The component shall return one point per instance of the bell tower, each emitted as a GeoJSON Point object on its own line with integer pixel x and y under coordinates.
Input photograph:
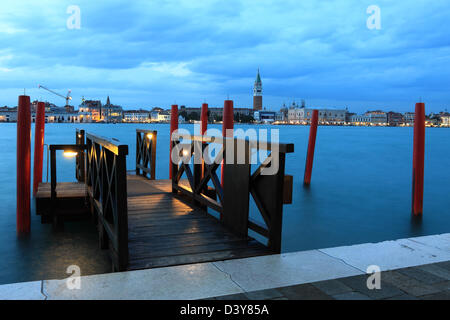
{"type": "Point", "coordinates": [257, 93]}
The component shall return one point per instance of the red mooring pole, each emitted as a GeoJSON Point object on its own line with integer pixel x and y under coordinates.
{"type": "Point", "coordinates": [204, 119]}
{"type": "Point", "coordinates": [418, 160]}
{"type": "Point", "coordinates": [203, 128]}
{"type": "Point", "coordinates": [23, 164]}
{"type": "Point", "coordinates": [38, 145]}
{"type": "Point", "coordinates": [311, 148]}
{"type": "Point", "coordinates": [173, 127]}
{"type": "Point", "coordinates": [227, 126]}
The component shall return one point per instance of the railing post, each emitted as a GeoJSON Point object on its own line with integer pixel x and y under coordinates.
{"type": "Point", "coordinates": [80, 158]}
{"type": "Point", "coordinates": [138, 152]}
{"type": "Point", "coordinates": [236, 188]}
{"type": "Point", "coordinates": [276, 227]}
{"type": "Point", "coordinates": [122, 208]}
{"type": "Point", "coordinates": [173, 168]}
{"type": "Point", "coordinates": [101, 176]}
{"type": "Point", "coordinates": [153, 155]}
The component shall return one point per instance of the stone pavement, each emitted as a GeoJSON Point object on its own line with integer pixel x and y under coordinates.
{"type": "Point", "coordinates": [412, 268]}
{"type": "Point", "coordinates": [426, 282]}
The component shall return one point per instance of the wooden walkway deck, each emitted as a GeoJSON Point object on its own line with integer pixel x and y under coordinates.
{"type": "Point", "coordinates": [144, 224]}
{"type": "Point", "coordinates": [165, 229]}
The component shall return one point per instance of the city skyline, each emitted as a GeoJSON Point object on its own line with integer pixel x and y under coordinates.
{"type": "Point", "coordinates": [160, 53]}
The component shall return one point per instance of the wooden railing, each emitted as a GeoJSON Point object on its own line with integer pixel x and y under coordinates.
{"type": "Point", "coordinates": [107, 188]}
{"type": "Point", "coordinates": [269, 192]}
{"type": "Point", "coordinates": [146, 153]}
{"type": "Point", "coordinates": [80, 161]}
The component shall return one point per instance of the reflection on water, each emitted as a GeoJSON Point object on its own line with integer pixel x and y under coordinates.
{"type": "Point", "coordinates": [360, 192]}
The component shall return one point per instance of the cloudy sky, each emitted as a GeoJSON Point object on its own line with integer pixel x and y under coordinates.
{"type": "Point", "coordinates": [156, 53]}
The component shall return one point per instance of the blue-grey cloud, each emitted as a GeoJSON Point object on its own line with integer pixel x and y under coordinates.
{"type": "Point", "coordinates": [152, 53]}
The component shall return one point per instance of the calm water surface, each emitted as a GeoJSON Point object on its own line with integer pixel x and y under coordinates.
{"type": "Point", "coordinates": [360, 192]}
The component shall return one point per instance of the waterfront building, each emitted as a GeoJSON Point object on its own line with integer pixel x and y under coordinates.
{"type": "Point", "coordinates": [136, 116]}
{"type": "Point", "coordinates": [8, 114]}
{"type": "Point", "coordinates": [377, 117]}
{"type": "Point", "coordinates": [65, 117]}
{"type": "Point", "coordinates": [360, 120]}
{"type": "Point", "coordinates": [264, 116]}
{"type": "Point", "coordinates": [370, 118]}
{"type": "Point", "coordinates": [445, 119]}
{"type": "Point", "coordinates": [94, 107]}
{"type": "Point", "coordinates": [281, 116]}
{"type": "Point", "coordinates": [160, 116]}
{"type": "Point", "coordinates": [408, 118]}
{"type": "Point", "coordinates": [110, 112]}
{"type": "Point", "coordinates": [329, 116]}
{"type": "Point", "coordinates": [349, 116]}
{"type": "Point", "coordinates": [257, 93]}
{"type": "Point", "coordinates": [394, 119]}
{"type": "Point", "coordinates": [214, 113]}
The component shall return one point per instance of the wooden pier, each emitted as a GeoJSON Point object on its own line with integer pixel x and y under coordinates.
{"type": "Point", "coordinates": [148, 223]}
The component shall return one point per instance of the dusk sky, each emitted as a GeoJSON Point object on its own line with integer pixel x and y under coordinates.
{"type": "Point", "coordinates": [155, 53]}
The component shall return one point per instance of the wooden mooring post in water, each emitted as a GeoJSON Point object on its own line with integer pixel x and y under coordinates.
{"type": "Point", "coordinates": [311, 148]}
{"type": "Point", "coordinates": [173, 127]}
{"type": "Point", "coordinates": [39, 130]}
{"type": "Point", "coordinates": [23, 164]}
{"type": "Point", "coordinates": [418, 160]}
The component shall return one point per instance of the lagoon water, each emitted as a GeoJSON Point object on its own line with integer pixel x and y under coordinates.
{"type": "Point", "coordinates": [360, 192]}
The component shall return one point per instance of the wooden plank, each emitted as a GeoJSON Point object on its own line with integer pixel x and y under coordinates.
{"type": "Point", "coordinates": [137, 252]}
{"type": "Point", "coordinates": [197, 258]}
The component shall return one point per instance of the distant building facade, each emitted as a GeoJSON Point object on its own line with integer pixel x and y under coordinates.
{"type": "Point", "coordinates": [160, 116]}
{"type": "Point", "coordinates": [408, 118]}
{"type": "Point", "coordinates": [136, 116]}
{"type": "Point", "coordinates": [94, 107]}
{"type": "Point", "coordinates": [265, 116]}
{"type": "Point", "coordinates": [376, 118]}
{"type": "Point", "coordinates": [445, 119]}
{"type": "Point", "coordinates": [326, 115]}
{"type": "Point", "coordinates": [394, 119]}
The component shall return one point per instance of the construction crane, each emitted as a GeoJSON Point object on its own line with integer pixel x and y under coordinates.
{"type": "Point", "coordinates": [68, 97]}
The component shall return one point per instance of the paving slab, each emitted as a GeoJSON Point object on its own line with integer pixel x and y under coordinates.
{"type": "Point", "coordinates": [422, 275]}
{"type": "Point", "coordinates": [436, 270]}
{"type": "Point", "coordinates": [332, 287]}
{"type": "Point", "coordinates": [407, 284]}
{"type": "Point", "coordinates": [440, 241]}
{"type": "Point", "coordinates": [359, 284]}
{"type": "Point", "coordinates": [22, 291]}
{"type": "Point", "coordinates": [282, 270]}
{"type": "Point", "coordinates": [264, 294]}
{"type": "Point", "coordinates": [304, 292]}
{"type": "Point", "coordinates": [196, 281]}
{"type": "Point", "coordinates": [390, 255]}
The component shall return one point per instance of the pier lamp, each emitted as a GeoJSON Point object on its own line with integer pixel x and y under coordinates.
{"type": "Point", "coordinates": [70, 154]}
{"type": "Point", "coordinates": [149, 136]}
